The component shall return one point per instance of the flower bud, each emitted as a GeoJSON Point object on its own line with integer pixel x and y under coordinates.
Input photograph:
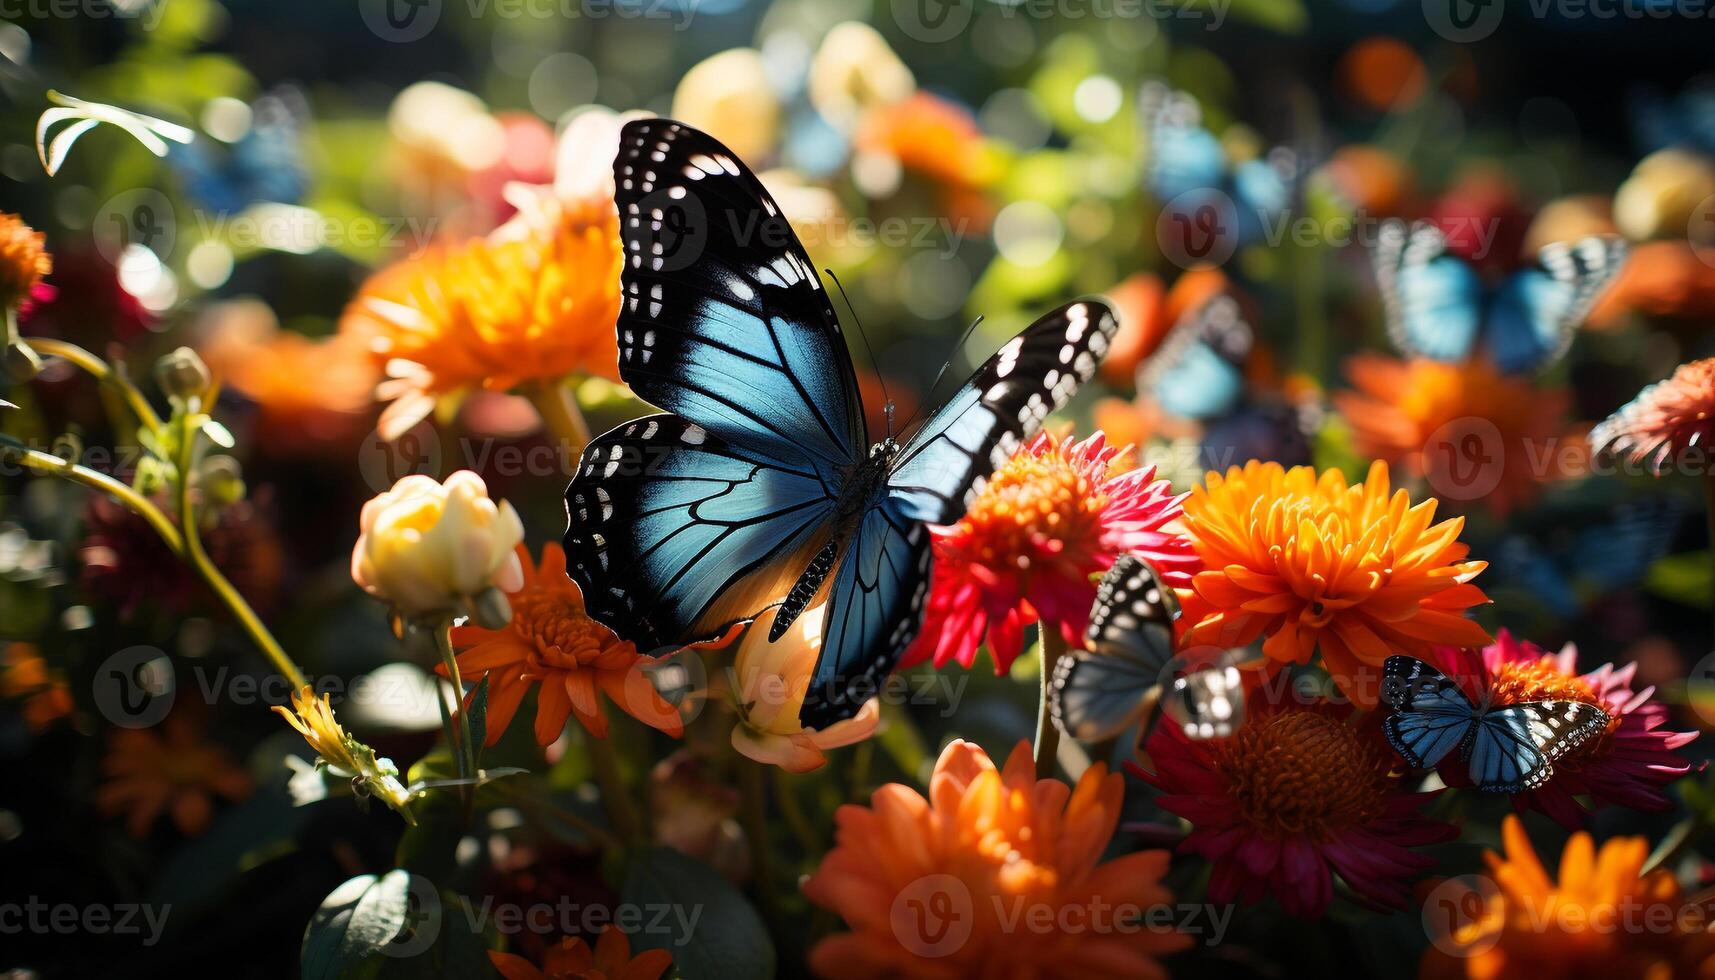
{"type": "Point", "coordinates": [182, 374]}
{"type": "Point", "coordinates": [772, 678]}
{"type": "Point", "coordinates": [221, 480]}
{"type": "Point", "coordinates": [432, 550]}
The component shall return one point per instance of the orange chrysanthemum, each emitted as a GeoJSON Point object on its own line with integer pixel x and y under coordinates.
{"type": "Point", "coordinates": [995, 874]}
{"type": "Point", "coordinates": [311, 393]}
{"type": "Point", "coordinates": [536, 304]}
{"type": "Point", "coordinates": [1471, 431]}
{"type": "Point", "coordinates": [572, 959]}
{"type": "Point", "coordinates": [1606, 917]}
{"type": "Point", "coordinates": [41, 692]}
{"type": "Point", "coordinates": [174, 771]}
{"type": "Point", "coordinates": [24, 259]}
{"type": "Point", "coordinates": [1311, 564]}
{"type": "Point", "coordinates": [1666, 420]}
{"type": "Point", "coordinates": [552, 642]}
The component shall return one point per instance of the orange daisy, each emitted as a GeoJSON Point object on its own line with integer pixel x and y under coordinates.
{"type": "Point", "coordinates": [1605, 917]}
{"type": "Point", "coordinates": [174, 771]}
{"type": "Point", "coordinates": [42, 692]}
{"type": "Point", "coordinates": [1308, 563]}
{"type": "Point", "coordinates": [536, 304]}
{"type": "Point", "coordinates": [997, 873]}
{"type": "Point", "coordinates": [311, 393]}
{"type": "Point", "coordinates": [572, 959]}
{"type": "Point", "coordinates": [552, 642]}
{"type": "Point", "coordinates": [1469, 430]}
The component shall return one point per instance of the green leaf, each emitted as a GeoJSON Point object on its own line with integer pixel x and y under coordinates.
{"type": "Point", "coordinates": [1682, 578]}
{"type": "Point", "coordinates": [218, 434]}
{"type": "Point", "coordinates": [369, 921]}
{"type": "Point", "coordinates": [693, 913]}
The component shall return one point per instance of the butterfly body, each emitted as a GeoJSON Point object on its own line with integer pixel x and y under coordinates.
{"type": "Point", "coordinates": [1508, 748]}
{"type": "Point", "coordinates": [1439, 307]}
{"type": "Point", "coordinates": [758, 487]}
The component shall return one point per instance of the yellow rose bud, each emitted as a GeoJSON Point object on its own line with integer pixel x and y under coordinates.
{"type": "Point", "coordinates": [431, 549]}
{"type": "Point", "coordinates": [771, 680]}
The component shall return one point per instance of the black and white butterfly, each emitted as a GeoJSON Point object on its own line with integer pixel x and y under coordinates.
{"type": "Point", "coordinates": [759, 486]}
{"type": "Point", "coordinates": [1440, 308]}
{"type": "Point", "coordinates": [1129, 668]}
{"type": "Point", "coordinates": [1509, 749]}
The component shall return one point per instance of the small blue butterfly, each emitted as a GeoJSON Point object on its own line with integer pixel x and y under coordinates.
{"type": "Point", "coordinates": [1439, 307]}
{"type": "Point", "coordinates": [759, 486]}
{"type": "Point", "coordinates": [265, 164]}
{"type": "Point", "coordinates": [1198, 371]}
{"type": "Point", "coordinates": [1509, 749]}
{"type": "Point", "coordinates": [1189, 168]}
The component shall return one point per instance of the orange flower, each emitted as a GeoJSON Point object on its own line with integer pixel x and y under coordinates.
{"type": "Point", "coordinates": [1310, 563]}
{"type": "Point", "coordinates": [1674, 280]}
{"type": "Point", "coordinates": [175, 771]}
{"type": "Point", "coordinates": [311, 393]}
{"type": "Point", "coordinates": [26, 677]}
{"type": "Point", "coordinates": [536, 304]}
{"type": "Point", "coordinates": [932, 136]}
{"type": "Point", "coordinates": [995, 874]}
{"type": "Point", "coordinates": [1667, 419]}
{"type": "Point", "coordinates": [24, 259]}
{"type": "Point", "coordinates": [572, 959]}
{"type": "Point", "coordinates": [551, 641]}
{"type": "Point", "coordinates": [1147, 311]}
{"type": "Point", "coordinates": [1606, 917]}
{"type": "Point", "coordinates": [1471, 431]}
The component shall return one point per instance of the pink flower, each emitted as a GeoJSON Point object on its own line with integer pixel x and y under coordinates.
{"type": "Point", "coordinates": [1629, 765]}
{"type": "Point", "coordinates": [1026, 550]}
{"type": "Point", "coordinates": [1664, 420]}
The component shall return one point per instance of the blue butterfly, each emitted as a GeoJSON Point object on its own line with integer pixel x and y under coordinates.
{"type": "Point", "coordinates": [1198, 371]}
{"type": "Point", "coordinates": [759, 486]}
{"type": "Point", "coordinates": [1438, 307]}
{"type": "Point", "coordinates": [1684, 120]}
{"type": "Point", "coordinates": [1129, 667]}
{"type": "Point", "coordinates": [265, 164]}
{"type": "Point", "coordinates": [1189, 168]}
{"type": "Point", "coordinates": [1582, 555]}
{"type": "Point", "coordinates": [1509, 749]}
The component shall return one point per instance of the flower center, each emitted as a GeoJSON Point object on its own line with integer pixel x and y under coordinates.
{"type": "Point", "coordinates": [1034, 506]}
{"type": "Point", "coordinates": [1302, 772]}
{"type": "Point", "coordinates": [1542, 680]}
{"type": "Point", "coordinates": [560, 637]}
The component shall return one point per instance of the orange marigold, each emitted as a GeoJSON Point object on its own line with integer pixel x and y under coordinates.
{"type": "Point", "coordinates": [1309, 563]}
{"type": "Point", "coordinates": [995, 874]}
{"type": "Point", "coordinates": [572, 959]}
{"type": "Point", "coordinates": [1470, 431]}
{"type": "Point", "coordinates": [1606, 917]}
{"type": "Point", "coordinates": [24, 259]}
{"type": "Point", "coordinates": [312, 394]}
{"type": "Point", "coordinates": [536, 304]}
{"type": "Point", "coordinates": [552, 642]}
{"type": "Point", "coordinates": [174, 771]}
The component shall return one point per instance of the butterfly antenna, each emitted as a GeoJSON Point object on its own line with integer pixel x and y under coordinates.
{"type": "Point", "coordinates": [873, 366]}
{"type": "Point", "coordinates": [929, 397]}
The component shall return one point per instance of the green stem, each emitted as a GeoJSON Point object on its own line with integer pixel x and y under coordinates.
{"type": "Point", "coordinates": [615, 795]}
{"type": "Point", "coordinates": [1047, 736]}
{"type": "Point", "coordinates": [558, 406]}
{"type": "Point", "coordinates": [755, 818]}
{"type": "Point", "coordinates": [50, 465]}
{"type": "Point", "coordinates": [98, 368]}
{"type": "Point", "coordinates": [464, 753]}
{"type": "Point", "coordinates": [198, 558]}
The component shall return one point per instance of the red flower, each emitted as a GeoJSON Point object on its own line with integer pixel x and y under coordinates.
{"type": "Point", "coordinates": [1027, 547]}
{"type": "Point", "coordinates": [1295, 796]}
{"type": "Point", "coordinates": [1628, 765]}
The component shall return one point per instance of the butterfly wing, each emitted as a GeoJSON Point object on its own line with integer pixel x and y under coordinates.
{"type": "Point", "coordinates": [1535, 312]}
{"type": "Point", "coordinates": [944, 463]}
{"type": "Point", "coordinates": [724, 321]}
{"type": "Point", "coordinates": [1431, 715]}
{"type": "Point", "coordinates": [1433, 299]}
{"type": "Point", "coordinates": [1514, 747]}
{"type": "Point", "coordinates": [1209, 702]}
{"type": "Point", "coordinates": [1097, 692]}
{"type": "Point", "coordinates": [674, 535]}
{"type": "Point", "coordinates": [1183, 156]}
{"type": "Point", "coordinates": [1198, 372]}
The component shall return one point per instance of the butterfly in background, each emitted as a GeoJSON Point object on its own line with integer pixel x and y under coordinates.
{"type": "Point", "coordinates": [266, 163]}
{"type": "Point", "coordinates": [1198, 371]}
{"type": "Point", "coordinates": [1129, 669]}
{"type": "Point", "coordinates": [1685, 120]}
{"type": "Point", "coordinates": [1581, 553]}
{"type": "Point", "coordinates": [1508, 749]}
{"type": "Point", "coordinates": [759, 487]}
{"type": "Point", "coordinates": [1440, 308]}
{"type": "Point", "coordinates": [1189, 168]}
